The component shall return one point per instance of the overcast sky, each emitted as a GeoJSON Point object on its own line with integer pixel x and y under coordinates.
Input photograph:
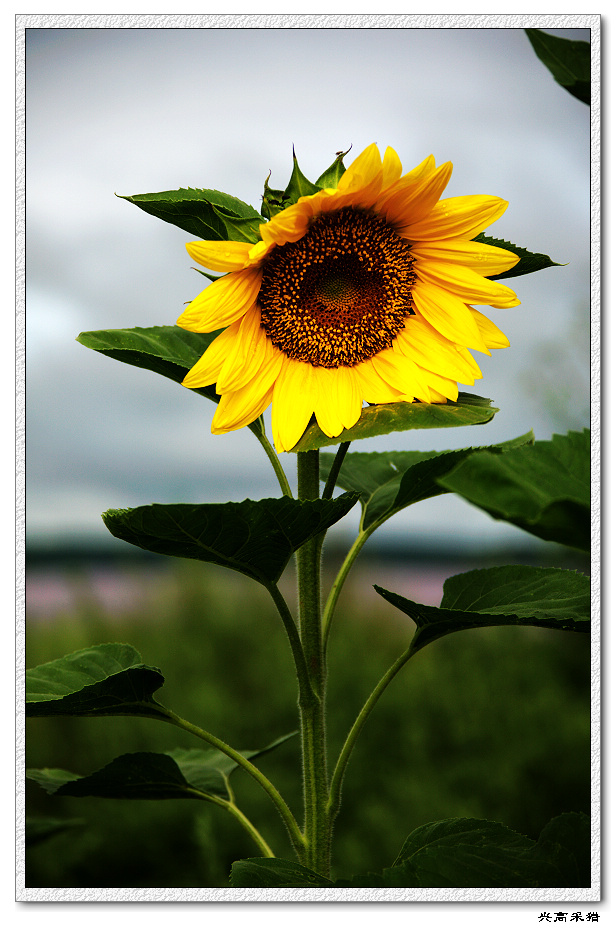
{"type": "Point", "coordinates": [133, 111]}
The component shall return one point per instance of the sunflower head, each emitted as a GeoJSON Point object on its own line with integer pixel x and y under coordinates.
{"type": "Point", "coordinates": [359, 290]}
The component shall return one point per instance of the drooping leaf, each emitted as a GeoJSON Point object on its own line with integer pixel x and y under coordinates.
{"type": "Point", "coordinates": [544, 488]}
{"type": "Point", "coordinates": [529, 261]}
{"type": "Point", "coordinates": [169, 351]}
{"type": "Point", "coordinates": [389, 481]}
{"type": "Point", "coordinates": [105, 680]}
{"type": "Point", "coordinates": [256, 538]}
{"type": "Point", "coordinates": [379, 419]}
{"type": "Point", "coordinates": [181, 773]}
{"type": "Point", "coordinates": [206, 214]}
{"type": "Point", "coordinates": [469, 853]}
{"type": "Point", "coordinates": [568, 60]}
{"type": "Point", "coordinates": [510, 595]}
{"type": "Point", "coordinates": [274, 873]}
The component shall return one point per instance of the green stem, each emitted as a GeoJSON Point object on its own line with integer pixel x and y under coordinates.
{"type": "Point", "coordinates": [289, 820]}
{"type": "Point", "coordinates": [249, 827]}
{"type": "Point", "coordinates": [241, 817]}
{"type": "Point", "coordinates": [312, 706]}
{"type": "Point", "coordinates": [271, 454]}
{"type": "Point", "coordinates": [336, 783]}
{"type": "Point", "coordinates": [336, 588]}
{"type": "Point", "coordinates": [330, 484]}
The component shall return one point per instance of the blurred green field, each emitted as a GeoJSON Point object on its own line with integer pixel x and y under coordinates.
{"type": "Point", "coordinates": [491, 724]}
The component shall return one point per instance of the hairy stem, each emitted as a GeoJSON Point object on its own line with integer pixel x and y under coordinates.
{"type": "Point", "coordinates": [312, 707]}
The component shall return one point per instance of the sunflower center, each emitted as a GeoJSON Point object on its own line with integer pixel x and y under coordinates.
{"type": "Point", "coordinates": [341, 293]}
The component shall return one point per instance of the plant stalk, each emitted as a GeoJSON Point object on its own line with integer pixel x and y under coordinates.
{"type": "Point", "coordinates": [317, 828]}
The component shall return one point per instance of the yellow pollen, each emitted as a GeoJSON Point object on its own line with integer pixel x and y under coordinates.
{"type": "Point", "coordinates": [341, 293]}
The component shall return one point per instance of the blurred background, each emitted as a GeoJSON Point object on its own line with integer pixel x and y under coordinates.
{"type": "Point", "coordinates": [131, 111]}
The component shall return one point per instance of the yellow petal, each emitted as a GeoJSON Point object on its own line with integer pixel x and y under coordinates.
{"type": "Point", "coordinates": [401, 373]}
{"type": "Point", "coordinates": [207, 369]}
{"type": "Point", "coordinates": [295, 392]}
{"type": "Point", "coordinates": [448, 314]}
{"type": "Point", "coordinates": [442, 385]}
{"type": "Point", "coordinates": [220, 256]}
{"type": "Point", "coordinates": [250, 351]}
{"type": "Point", "coordinates": [456, 218]}
{"type": "Point", "coordinates": [490, 333]}
{"type": "Point", "coordinates": [223, 302]}
{"type": "Point", "coordinates": [409, 201]}
{"type": "Point", "coordinates": [373, 387]}
{"type": "Point", "coordinates": [466, 284]}
{"type": "Point", "coordinates": [478, 256]}
{"type": "Point", "coordinates": [392, 167]}
{"type": "Point", "coordinates": [363, 171]}
{"type": "Point", "coordinates": [339, 401]}
{"type": "Point", "coordinates": [289, 225]}
{"type": "Point", "coordinates": [425, 167]}
{"type": "Point", "coordinates": [430, 350]}
{"type": "Point", "coordinates": [240, 408]}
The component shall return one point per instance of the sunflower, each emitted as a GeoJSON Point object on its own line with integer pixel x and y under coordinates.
{"type": "Point", "coordinates": [359, 293]}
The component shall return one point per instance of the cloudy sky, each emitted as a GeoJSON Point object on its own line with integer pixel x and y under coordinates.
{"type": "Point", "coordinates": [139, 110]}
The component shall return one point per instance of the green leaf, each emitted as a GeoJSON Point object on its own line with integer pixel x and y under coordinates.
{"type": "Point", "coordinates": [510, 595]}
{"type": "Point", "coordinates": [299, 185]}
{"type": "Point", "coordinates": [273, 200]}
{"type": "Point", "coordinates": [529, 261]}
{"type": "Point", "coordinates": [105, 680]}
{"type": "Point", "coordinates": [378, 419]}
{"type": "Point", "coordinates": [332, 175]}
{"type": "Point", "coordinates": [544, 489]}
{"type": "Point", "coordinates": [470, 853]}
{"type": "Point", "coordinates": [569, 61]}
{"type": "Point", "coordinates": [389, 481]}
{"type": "Point", "coordinates": [256, 538]}
{"type": "Point", "coordinates": [169, 351]}
{"type": "Point", "coordinates": [572, 833]}
{"type": "Point", "coordinates": [181, 773]}
{"type": "Point", "coordinates": [274, 873]}
{"type": "Point", "coordinates": [206, 214]}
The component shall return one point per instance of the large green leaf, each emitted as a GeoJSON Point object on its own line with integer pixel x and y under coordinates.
{"type": "Point", "coordinates": [274, 873]}
{"type": "Point", "coordinates": [181, 773]}
{"type": "Point", "coordinates": [378, 419]}
{"type": "Point", "coordinates": [544, 488]}
{"type": "Point", "coordinates": [167, 350]}
{"type": "Point", "coordinates": [105, 680]}
{"type": "Point", "coordinates": [389, 481]}
{"type": "Point", "coordinates": [529, 261]}
{"type": "Point", "coordinates": [206, 214]}
{"type": "Point", "coordinates": [510, 595]}
{"type": "Point", "coordinates": [455, 853]}
{"type": "Point", "coordinates": [256, 538]}
{"type": "Point", "coordinates": [469, 853]}
{"type": "Point", "coordinates": [568, 60]}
